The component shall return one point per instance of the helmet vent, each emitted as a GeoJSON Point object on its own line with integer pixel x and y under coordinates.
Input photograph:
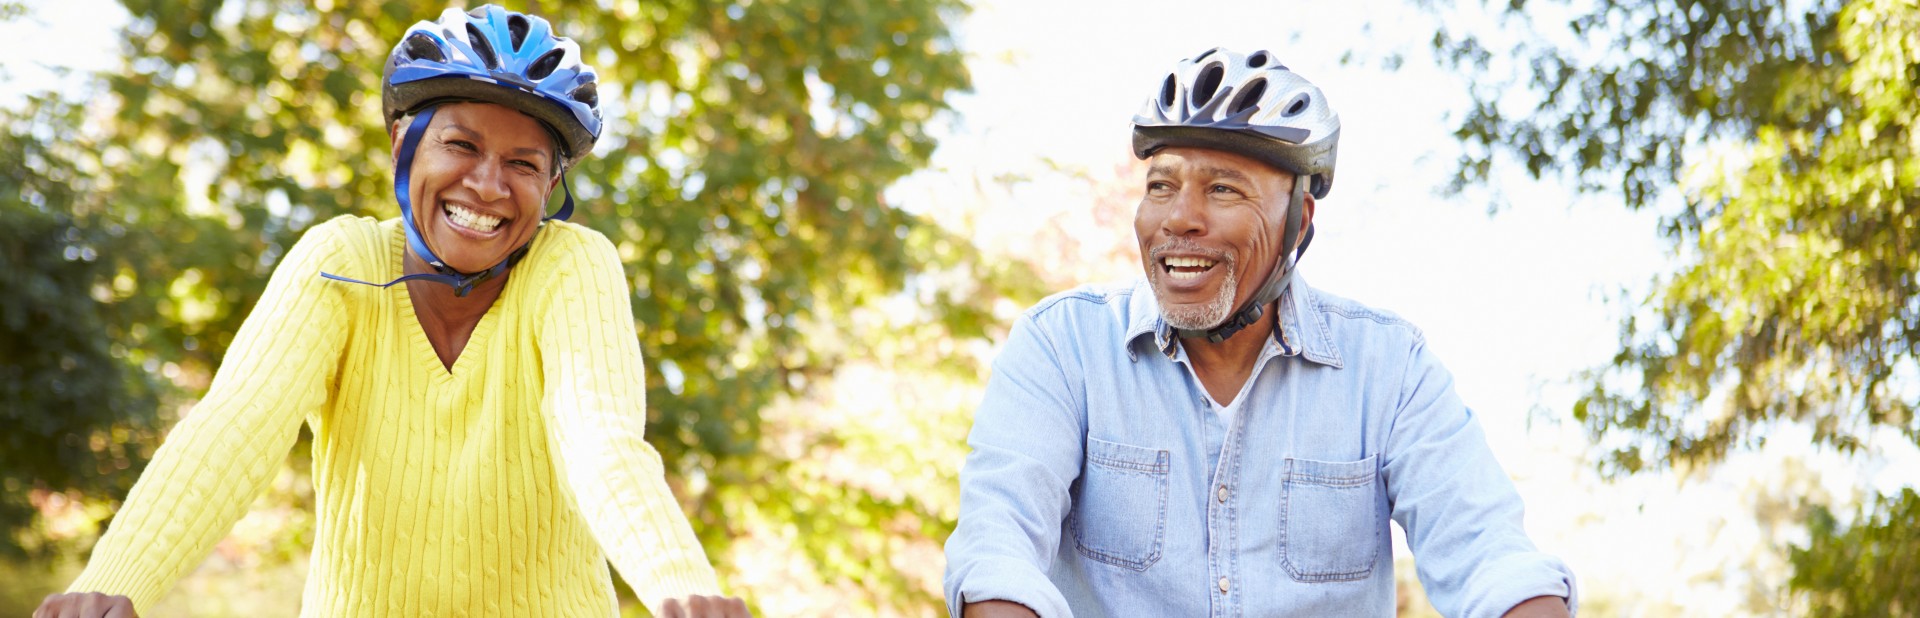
{"type": "Point", "coordinates": [482, 47]}
{"type": "Point", "coordinates": [1208, 84]}
{"type": "Point", "coordinates": [1249, 96]}
{"type": "Point", "coordinates": [1298, 105]}
{"type": "Point", "coordinates": [517, 26]}
{"type": "Point", "coordinates": [1203, 55]}
{"type": "Point", "coordinates": [423, 47]}
{"type": "Point", "coordinates": [588, 93]}
{"type": "Point", "coordinates": [543, 67]}
{"type": "Point", "coordinates": [1167, 90]}
{"type": "Point", "coordinates": [1257, 60]}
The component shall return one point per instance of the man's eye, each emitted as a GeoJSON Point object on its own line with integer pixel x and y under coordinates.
{"type": "Point", "coordinates": [462, 144]}
{"type": "Point", "coordinates": [1224, 189]}
{"type": "Point", "coordinates": [1158, 186]}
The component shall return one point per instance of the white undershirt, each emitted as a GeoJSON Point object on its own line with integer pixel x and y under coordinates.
{"type": "Point", "coordinates": [1227, 412]}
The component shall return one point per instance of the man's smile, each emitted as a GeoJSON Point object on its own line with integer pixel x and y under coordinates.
{"type": "Point", "coordinates": [1184, 268]}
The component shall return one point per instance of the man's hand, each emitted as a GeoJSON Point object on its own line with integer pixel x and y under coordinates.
{"type": "Point", "coordinates": [1539, 607]}
{"type": "Point", "coordinates": [85, 605]}
{"type": "Point", "coordinates": [996, 609]}
{"type": "Point", "coordinates": [698, 606]}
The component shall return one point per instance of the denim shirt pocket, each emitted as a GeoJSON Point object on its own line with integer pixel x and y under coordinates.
{"type": "Point", "coordinates": [1119, 516]}
{"type": "Point", "coordinates": [1334, 513]}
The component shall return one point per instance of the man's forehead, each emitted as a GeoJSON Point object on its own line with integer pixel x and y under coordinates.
{"type": "Point", "coordinates": [1209, 162]}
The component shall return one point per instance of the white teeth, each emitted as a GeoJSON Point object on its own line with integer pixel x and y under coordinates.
{"type": "Point", "coordinates": [470, 219]}
{"type": "Point", "coordinates": [1189, 262]}
{"type": "Point", "coordinates": [1187, 275]}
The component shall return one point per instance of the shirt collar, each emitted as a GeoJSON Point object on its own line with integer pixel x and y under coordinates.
{"type": "Point", "coordinates": [1303, 329]}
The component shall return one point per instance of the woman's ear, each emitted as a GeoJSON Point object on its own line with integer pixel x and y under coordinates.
{"type": "Point", "coordinates": [394, 137]}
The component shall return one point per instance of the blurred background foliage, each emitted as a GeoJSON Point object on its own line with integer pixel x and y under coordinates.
{"type": "Point", "coordinates": [741, 175]}
{"type": "Point", "coordinates": [798, 327]}
{"type": "Point", "coordinates": [1778, 142]}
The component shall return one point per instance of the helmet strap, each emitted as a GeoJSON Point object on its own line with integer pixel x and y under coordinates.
{"type": "Point", "coordinates": [403, 177]}
{"type": "Point", "coordinates": [462, 283]}
{"type": "Point", "coordinates": [1277, 281]}
{"type": "Point", "coordinates": [566, 208]}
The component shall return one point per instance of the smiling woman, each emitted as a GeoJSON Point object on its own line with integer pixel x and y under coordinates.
{"type": "Point", "coordinates": [478, 432]}
{"type": "Point", "coordinates": [487, 189]}
{"type": "Point", "coordinates": [483, 174]}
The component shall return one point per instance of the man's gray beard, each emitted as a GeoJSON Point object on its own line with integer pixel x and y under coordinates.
{"type": "Point", "coordinates": [1205, 316]}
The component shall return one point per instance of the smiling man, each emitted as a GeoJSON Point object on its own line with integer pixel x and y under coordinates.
{"type": "Point", "coordinates": [1220, 439]}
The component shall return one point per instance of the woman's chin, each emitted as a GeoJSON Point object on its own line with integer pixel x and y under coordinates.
{"type": "Point", "coordinates": [471, 266]}
{"type": "Point", "coordinates": [461, 256]}
{"type": "Point", "coordinates": [467, 262]}
{"type": "Point", "coordinates": [468, 256]}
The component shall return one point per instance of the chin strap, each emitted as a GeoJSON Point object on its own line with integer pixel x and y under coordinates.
{"type": "Point", "coordinates": [1277, 281]}
{"type": "Point", "coordinates": [462, 283]}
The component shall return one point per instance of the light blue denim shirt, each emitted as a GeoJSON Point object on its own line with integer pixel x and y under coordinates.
{"type": "Point", "coordinates": [1102, 483]}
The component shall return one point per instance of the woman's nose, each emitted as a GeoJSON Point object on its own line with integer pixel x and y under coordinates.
{"type": "Point", "coordinates": [487, 181]}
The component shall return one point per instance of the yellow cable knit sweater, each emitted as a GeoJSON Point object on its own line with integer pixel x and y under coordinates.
{"type": "Point", "coordinates": [488, 490]}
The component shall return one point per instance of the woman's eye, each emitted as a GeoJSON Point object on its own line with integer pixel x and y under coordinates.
{"type": "Point", "coordinates": [461, 144]}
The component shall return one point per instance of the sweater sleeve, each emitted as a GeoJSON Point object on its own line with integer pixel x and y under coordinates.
{"type": "Point", "coordinates": [595, 407]}
{"type": "Point", "coordinates": [218, 459]}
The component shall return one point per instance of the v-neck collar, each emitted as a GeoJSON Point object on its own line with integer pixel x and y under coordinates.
{"type": "Point", "coordinates": [423, 351]}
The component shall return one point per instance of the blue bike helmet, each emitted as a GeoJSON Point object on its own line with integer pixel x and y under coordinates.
{"type": "Point", "coordinates": [491, 55]}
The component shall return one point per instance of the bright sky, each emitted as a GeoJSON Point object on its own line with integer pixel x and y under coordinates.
{"type": "Point", "coordinates": [1515, 303]}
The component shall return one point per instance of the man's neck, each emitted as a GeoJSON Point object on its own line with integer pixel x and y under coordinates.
{"type": "Point", "coordinates": [1225, 366]}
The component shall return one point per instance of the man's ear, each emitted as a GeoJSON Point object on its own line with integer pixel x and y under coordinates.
{"type": "Point", "coordinates": [1306, 216]}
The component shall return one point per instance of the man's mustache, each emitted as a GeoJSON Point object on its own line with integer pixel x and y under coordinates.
{"type": "Point", "coordinates": [1188, 247]}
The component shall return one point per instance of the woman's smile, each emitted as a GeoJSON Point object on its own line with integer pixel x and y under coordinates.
{"type": "Point", "coordinates": [486, 171]}
{"type": "Point", "coordinates": [467, 219]}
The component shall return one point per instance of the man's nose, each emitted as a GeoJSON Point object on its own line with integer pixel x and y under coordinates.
{"type": "Point", "coordinates": [1187, 215]}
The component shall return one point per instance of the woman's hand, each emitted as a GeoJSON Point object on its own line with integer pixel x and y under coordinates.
{"type": "Point", "coordinates": [698, 606]}
{"type": "Point", "coordinates": [86, 605]}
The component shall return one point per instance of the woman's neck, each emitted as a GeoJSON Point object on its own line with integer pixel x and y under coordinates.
{"type": "Point", "coordinates": [448, 319]}
{"type": "Point", "coordinates": [441, 301]}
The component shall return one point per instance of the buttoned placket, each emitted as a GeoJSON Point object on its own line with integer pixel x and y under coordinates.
{"type": "Point", "coordinates": [1223, 522]}
{"type": "Point", "coordinates": [1222, 441]}
{"type": "Point", "coordinates": [1223, 530]}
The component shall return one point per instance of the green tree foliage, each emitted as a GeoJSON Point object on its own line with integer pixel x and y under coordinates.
{"type": "Point", "coordinates": [741, 174]}
{"type": "Point", "coordinates": [63, 383]}
{"type": "Point", "coordinates": [1865, 569]}
{"type": "Point", "coordinates": [1790, 129]}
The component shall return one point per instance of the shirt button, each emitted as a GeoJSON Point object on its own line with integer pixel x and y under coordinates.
{"type": "Point", "coordinates": [1223, 584]}
{"type": "Point", "coordinates": [1223, 493]}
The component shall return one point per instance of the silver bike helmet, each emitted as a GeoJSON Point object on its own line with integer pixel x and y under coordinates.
{"type": "Point", "coordinates": [1253, 106]}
